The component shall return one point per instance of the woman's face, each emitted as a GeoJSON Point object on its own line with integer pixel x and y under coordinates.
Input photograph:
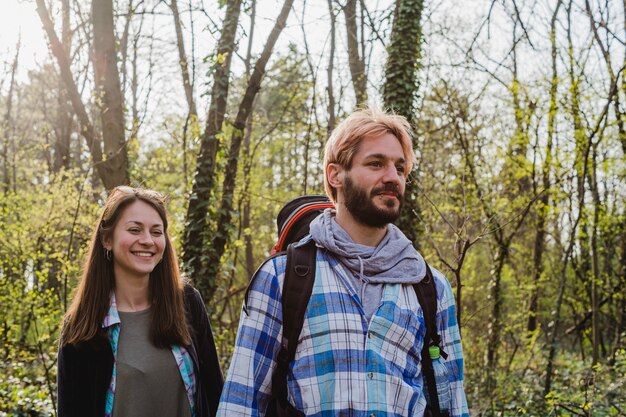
{"type": "Point", "coordinates": [137, 242]}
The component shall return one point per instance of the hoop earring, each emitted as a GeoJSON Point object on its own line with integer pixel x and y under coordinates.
{"type": "Point", "coordinates": [107, 254]}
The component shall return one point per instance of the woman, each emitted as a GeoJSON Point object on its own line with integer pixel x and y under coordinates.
{"type": "Point", "coordinates": [136, 340]}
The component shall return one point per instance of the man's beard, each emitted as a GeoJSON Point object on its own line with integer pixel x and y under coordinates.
{"type": "Point", "coordinates": [363, 209]}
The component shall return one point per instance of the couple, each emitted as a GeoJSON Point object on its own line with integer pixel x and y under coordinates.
{"type": "Point", "coordinates": [134, 323]}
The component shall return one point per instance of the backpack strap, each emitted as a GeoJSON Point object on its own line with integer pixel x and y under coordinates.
{"type": "Point", "coordinates": [426, 291]}
{"type": "Point", "coordinates": [297, 289]}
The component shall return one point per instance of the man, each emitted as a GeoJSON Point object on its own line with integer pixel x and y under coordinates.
{"type": "Point", "coordinates": [360, 347]}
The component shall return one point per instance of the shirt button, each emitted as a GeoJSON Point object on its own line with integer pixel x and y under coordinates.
{"type": "Point", "coordinates": [372, 415]}
{"type": "Point", "coordinates": [369, 335]}
{"type": "Point", "coordinates": [370, 375]}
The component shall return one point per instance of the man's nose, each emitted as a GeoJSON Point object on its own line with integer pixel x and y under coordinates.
{"type": "Point", "coordinates": [392, 175]}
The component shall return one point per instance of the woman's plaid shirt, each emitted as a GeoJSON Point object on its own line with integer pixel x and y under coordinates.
{"type": "Point", "coordinates": [343, 365]}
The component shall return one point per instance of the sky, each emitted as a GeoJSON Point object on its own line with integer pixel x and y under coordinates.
{"type": "Point", "coordinates": [19, 19]}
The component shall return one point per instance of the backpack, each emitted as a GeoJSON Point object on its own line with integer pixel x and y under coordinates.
{"type": "Point", "coordinates": [293, 224]}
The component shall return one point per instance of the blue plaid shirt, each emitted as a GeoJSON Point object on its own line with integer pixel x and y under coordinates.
{"type": "Point", "coordinates": [343, 364]}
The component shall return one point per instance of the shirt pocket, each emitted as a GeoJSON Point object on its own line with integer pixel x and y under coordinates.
{"type": "Point", "coordinates": [397, 334]}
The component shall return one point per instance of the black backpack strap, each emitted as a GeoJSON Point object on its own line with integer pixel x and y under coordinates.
{"type": "Point", "coordinates": [426, 291]}
{"type": "Point", "coordinates": [297, 289]}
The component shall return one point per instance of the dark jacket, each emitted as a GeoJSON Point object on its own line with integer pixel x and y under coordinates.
{"type": "Point", "coordinates": [85, 370]}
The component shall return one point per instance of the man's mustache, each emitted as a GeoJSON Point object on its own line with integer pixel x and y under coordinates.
{"type": "Point", "coordinates": [388, 188]}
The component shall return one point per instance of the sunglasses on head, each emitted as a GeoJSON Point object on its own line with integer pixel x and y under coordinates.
{"type": "Point", "coordinates": [143, 192]}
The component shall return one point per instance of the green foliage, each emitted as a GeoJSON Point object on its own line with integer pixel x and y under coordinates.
{"type": "Point", "coordinates": [401, 85]}
{"type": "Point", "coordinates": [43, 233]}
{"type": "Point", "coordinates": [482, 157]}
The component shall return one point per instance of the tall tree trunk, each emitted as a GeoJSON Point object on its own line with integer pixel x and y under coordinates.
{"type": "Point", "coordinates": [544, 201]}
{"type": "Point", "coordinates": [620, 116]}
{"type": "Point", "coordinates": [246, 220]}
{"type": "Point", "coordinates": [7, 124]}
{"type": "Point", "coordinates": [621, 270]}
{"type": "Point", "coordinates": [182, 60]}
{"type": "Point", "coordinates": [133, 139]}
{"type": "Point", "coordinates": [248, 159]}
{"type": "Point", "coordinates": [63, 128]}
{"type": "Point", "coordinates": [224, 225]}
{"type": "Point", "coordinates": [399, 94]}
{"type": "Point", "coordinates": [518, 147]}
{"type": "Point", "coordinates": [196, 227]}
{"type": "Point", "coordinates": [582, 145]}
{"type": "Point", "coordinates": [330, 69]}
{"type": "Point", "coordinates": [108, 92]}
{"type": "Point", "coordinates": [596, 280]}
{"type": "Point", "coordinates": [556, 312]}
{"type": "Point", "coordinates": [355, 60]}
{"type": "Point", "coordinates": [495, 323]}
{"type": "Point", "coordinates": [104, 168]}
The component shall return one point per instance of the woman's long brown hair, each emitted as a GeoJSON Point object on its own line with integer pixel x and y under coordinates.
{"type": "Point", "coordinates": [91, 301]}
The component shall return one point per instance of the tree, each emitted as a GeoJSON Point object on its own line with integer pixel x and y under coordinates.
{"type": "Point", "coordinates": [108, 92]}
{"type": "Point", "coordinates": [7, 127]}
{"type": "Point", "coordinates": [112, 167]}
{"type": "Point", "coordinates": [356, 60]}
{"type": "Point", "coordinates": [197, 226]}
{"type": "Point", "coordinates": [400, 92]}
{"type": "Point", "coordinates": [64, 126]}
{"type": "Point", "coordinates": [543, 205]}
{"type": "Point", "coordinates": [224, 224]}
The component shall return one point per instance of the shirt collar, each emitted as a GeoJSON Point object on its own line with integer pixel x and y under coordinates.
{"type": "Point", "coordinates": [112, 316]}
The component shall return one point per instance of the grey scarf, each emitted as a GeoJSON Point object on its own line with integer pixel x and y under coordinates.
{"type": "Point", "coordinates": [393, 261]}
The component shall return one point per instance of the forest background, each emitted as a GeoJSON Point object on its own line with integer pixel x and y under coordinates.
{"type": "Point", "coordinates": [519, 112]}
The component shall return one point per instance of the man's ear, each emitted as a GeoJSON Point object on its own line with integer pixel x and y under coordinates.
{"type": "Point", "coordinates": [334, 173]}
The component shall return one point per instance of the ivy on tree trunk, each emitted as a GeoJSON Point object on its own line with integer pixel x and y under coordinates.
{"type": "Point", "coordinates": [399, 94]}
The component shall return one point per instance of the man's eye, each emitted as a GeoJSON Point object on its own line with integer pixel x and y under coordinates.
{"type": "Point", "coordinates": [400, 169]}
{"type": "Point", "coordinates": [376, 164]}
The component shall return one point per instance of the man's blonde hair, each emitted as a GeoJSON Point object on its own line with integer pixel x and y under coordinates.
{"type": "Point", "coordinates": [344, 142]}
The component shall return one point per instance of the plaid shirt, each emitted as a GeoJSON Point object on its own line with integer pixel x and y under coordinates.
{"type": "Point", "coordinates": [343, 364]}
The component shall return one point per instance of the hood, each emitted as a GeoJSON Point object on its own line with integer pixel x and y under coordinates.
{"type": "Point", "coordinates": [393, 261]}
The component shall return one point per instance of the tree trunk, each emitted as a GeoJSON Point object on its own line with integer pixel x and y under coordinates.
{"type": "Point", "coordinates": [197, 227]}
{"type": "Point", "coordinates": [8, 124]}
{"type": "Point", "coordinates": [104, 168]}
{"type": "Point", "coordinates": [495, 324]}
{"type": "Point", "coordinates": [355, 61]}
{"type": "Point", "coordinates": [596, 280]}
{"type": "Point", "coordinates": [63, 128]}
{"type": "Point", "coordinates": [224, 225]}
{"type": "Point", "coordinates": [518, 146]}
{"type": "Point", "coordinates": [249, 255]}
{"type": "Point", "coordinates": [182, 59]}
{"type": "Point", "coordinates": [330, 69]}
{"type": "Point", "coordinates": [544, 201]}
{"type": "Point", "coordinates": [108, 92]}
{"type": "Point", "coordinates": [621, 326]}
{"type": "Point", "coordinates": [556, 316]}
{"type": "Point", "coordinates": [248, 160]}
{"type": "Point", "coordinates": [399, 93]}
{"type": "Point", "coordinates": [620, 122]}
{"type": "Point", "coordinates": [582, 143]}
